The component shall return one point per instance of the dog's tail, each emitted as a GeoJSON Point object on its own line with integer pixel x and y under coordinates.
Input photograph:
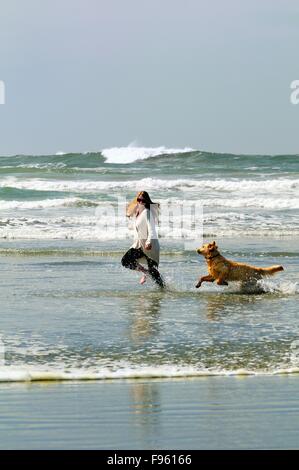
{"type": "Point", "coordinates": [271, 270]}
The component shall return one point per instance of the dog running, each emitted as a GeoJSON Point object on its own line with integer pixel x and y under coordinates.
{"type": "Point", "coordinates": [223, 270]}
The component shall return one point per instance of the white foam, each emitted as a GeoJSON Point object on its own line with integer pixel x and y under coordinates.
{"type": "Point", "coordinates": [283, 287]}
{"type": "Point", "coordinates": [224, 186]}
{"type": "Point", "coordinates": [261, 202]}
{"type": "Point", "coordinates": [81, 227]}
{"type": "Point", "coordinates": [45, 203]}
{"type": "Point", "coordinates": [14, 374]}
{"type": "Point", "coordinates": [63, 220]}
{"type": "Point", "coordinates": [234, 201]}
{"type": "Point", "coordinates": [130, 154]}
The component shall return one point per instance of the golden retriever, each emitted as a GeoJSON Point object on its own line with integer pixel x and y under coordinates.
{"type": "Point", "coordinates": [223, 270]}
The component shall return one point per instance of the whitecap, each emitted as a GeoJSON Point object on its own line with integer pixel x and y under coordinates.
{"type": "Point", "coordinates": [130, 154]}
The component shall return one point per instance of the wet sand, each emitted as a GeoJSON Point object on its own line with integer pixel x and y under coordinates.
{"type": "Point", "coordinates": [203, 413]}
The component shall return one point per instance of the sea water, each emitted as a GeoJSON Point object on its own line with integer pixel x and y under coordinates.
{"type": "Point", "coordinates": [70, 311]}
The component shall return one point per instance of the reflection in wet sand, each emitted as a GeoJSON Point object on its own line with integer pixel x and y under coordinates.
{"type": "Point", "coordinates": [219, 305]}
{"type": "Point", "coordinates": [147, 410]}
{"type": "Point", "coordinates": [146, 311]}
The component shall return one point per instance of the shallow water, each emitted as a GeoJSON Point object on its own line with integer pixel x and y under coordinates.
{"type": "Point", "coordinates": [83, 317]}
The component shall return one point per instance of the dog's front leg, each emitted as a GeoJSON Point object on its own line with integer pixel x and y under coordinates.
{"type": "Point", "coordinates": [204, 279]}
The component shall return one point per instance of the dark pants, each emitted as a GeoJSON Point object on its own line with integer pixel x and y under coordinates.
{"type": "Point", "coordinates": [129, 260]}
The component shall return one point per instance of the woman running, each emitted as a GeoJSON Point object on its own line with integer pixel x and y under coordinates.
{"type": "Point", "coordinates": [146, 244]}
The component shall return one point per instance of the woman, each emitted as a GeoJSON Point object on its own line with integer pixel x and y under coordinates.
{"type": "Point", "coordinates": [146, 244]}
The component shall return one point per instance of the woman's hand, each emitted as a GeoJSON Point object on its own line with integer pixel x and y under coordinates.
{"type": "Point", "coordinates": [148, 246]}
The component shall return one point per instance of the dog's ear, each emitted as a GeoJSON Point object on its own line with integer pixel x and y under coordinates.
{"type": "Point", "coordinates": [212, 246]}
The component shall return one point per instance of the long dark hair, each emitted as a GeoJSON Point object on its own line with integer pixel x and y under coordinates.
{"type": "Point", "coordinates": [149, 204]}
{"type": "Point", "coordinates": [146, 198]}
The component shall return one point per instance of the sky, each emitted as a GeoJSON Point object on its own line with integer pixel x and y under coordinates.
{"type": "Point", "coordinates": [85, 75]}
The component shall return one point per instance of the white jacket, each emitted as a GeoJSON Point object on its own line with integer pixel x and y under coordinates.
{"type": "Point", "coordinates": [145, 232]}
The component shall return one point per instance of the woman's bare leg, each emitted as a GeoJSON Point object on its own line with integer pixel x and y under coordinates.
{"type": "Point", "coordinates": [144, 271]}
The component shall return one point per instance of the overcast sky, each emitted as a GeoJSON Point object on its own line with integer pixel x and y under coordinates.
{"type": "Point", "coordinates": [90, 74]}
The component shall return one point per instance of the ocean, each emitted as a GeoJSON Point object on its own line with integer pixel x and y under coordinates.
{"type": "Point", "coordinates": [71, 312]}
{"type": "Point", "coordinates": [80, 314]}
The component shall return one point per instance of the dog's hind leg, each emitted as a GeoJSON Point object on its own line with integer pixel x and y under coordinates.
{"type": "Point", "coordinates": [204, 279]}
{"type": "Point", "coordinates": [221, 282]}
